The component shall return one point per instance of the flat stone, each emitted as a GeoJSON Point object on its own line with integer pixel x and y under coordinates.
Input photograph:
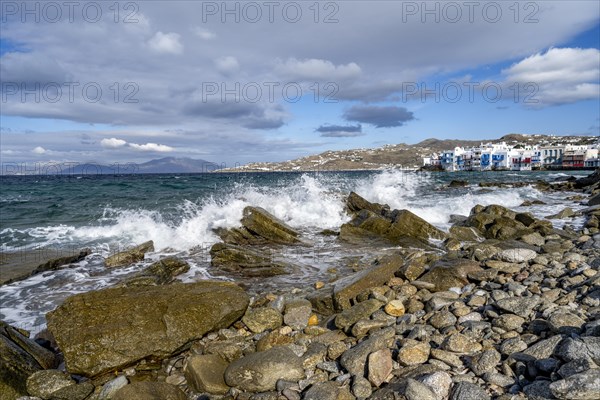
{"type": "Point", "coordinates": [205, 373]}
{"type": "Point", "coordinates": [262, 318]}
{"type": "Point", "coordinates": [327, 391]}
{"type": "Point", "coordinates": [517, 255]}
{"type": "Point", "coordinates": [80, 391]}
{"type": "Point", "coordinates": [446, 274]}
{"type": "Point", "coordinates": [575, 367]}
{"type": "Point", "coordinates": [485, 361]}
{"type": "Point", "coordinates": [460, 343]}
{"type": "Point", "coordinates": [521, 306]}
{"type": "Point", "coordinates": [44, 383]}
{"type": "Point", "coordinates": [566, 323]}
{"type": "Point", "coordinates": [439, 383]}
{"type": "Point", "coordinates": [129, 256]}
{"type": "Point", "coordinates": [468, 391]}
{"type": "Point", "coordinates": [354, 360]}
{"type": "Point", "coordinates": [442, 319]}
{"type": "Point", "coordinates": [413, 353]}
{"type": "Point", "coordinates": [416, 390]}
{"type": "Point", "coordinates": [379, 366]}
{"type": "Point", "coordinates": [350, 316]}
{"type": "Point", "coordinates": [259, 372]}
{"type": "Point", "coordinates": [297, 313]}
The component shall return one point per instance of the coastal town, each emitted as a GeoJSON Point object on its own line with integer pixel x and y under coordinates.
{"type": "Point", "coordinates": [518, 157]}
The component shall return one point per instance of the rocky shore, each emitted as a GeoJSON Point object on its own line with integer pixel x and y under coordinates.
{"type": "Point", "coordinates": [503, 306]}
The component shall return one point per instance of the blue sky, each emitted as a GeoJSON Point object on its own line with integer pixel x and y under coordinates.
{"type": "Point", "coordinates": [167, 57]}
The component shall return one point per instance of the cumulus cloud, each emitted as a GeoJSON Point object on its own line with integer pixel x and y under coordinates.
{"type": "Point", "coordinates": [227, 65]}
{"type": "Point", "coordinates": [559, 76]}
{"type": "Point", "coordinates": [316, 69]}
{"type": "Point", "coordinates": [155, 147]}
{"type": "Point", "coordinates": [166, 43]}
{"type": "Point", "coordinates": [340, 130]}
{"type": "Point", "coordinates": [39, 150]}
{"type": "Point", "coordinates": [204, 34]}
{"type": "Point", "coordinates": [379, 116]}
{"type": "Point", "coordinates": [112, 143]}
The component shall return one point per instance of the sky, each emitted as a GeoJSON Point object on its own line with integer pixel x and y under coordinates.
{"type": "Point", "coordinates": [236, 82]}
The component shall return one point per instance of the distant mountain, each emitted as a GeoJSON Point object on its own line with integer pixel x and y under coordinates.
{"type": "Point", "coordinates": [167, 165]}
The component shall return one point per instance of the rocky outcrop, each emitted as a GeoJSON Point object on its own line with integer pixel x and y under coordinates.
{"type": "Point", "coordinates": [247, 262]}
{"type": "Point", "coordinates": [355, 203]}
{"type": "Point", "coordinates": [20, 357]}
{"type": "Point", "coordinates": [260, 227]}
{"type": "Point", "coordinates": [160, 273]}
{"type": "Point", "coordinates": [130, 256]}
{"type": "Point", "coordinates": [108, 329]}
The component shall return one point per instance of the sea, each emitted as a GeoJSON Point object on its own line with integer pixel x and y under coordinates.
{"type": "Point", "coordinates": [179, 212]}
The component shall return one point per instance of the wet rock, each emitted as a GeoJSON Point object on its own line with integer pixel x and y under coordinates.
{"type": "Point", "coordinates": [50, 265]}
{"type": "Point", "coordinates": [261, 223]}
{"type": "Point", "coordinates": [356, 203]}
{"type": "Point", "coordinates": [100, 331]}
{"type": "Point", "coordinates": [564, 213]}
{"type": "Point", "coordinates": [446, 274]}
{"type": "Point", "coordinates": [44, 383]}
{"type": "Point", "coordinates": [248, 262]}
{"type": "Point", "coordinates": [262, 318]}
{"type": "Point", "coordinates": [582, 386]}
{"type": "Point", "coordinates": [259, 372]}
{"type": "Point", "coordinates": [130, 256]}
{"type": "Point", "coordinates": [150, 391]}
{"type": "Point", "coordinates": [159, 273]}
{"type": "Point", "coordinates": [205, 373]}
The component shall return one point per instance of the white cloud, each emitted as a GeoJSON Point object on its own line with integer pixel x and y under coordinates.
{"type": "Point", "coordinates": [227, 65]}
{"type": "Point", "coordinates": [161, 148]}
{"type": "Point", "coordinates": [112, 143]}
{"type": "Point", "coordinates": [204, 34]}
{"type": "Point", "coordinates": [561, 75]}
{"type": "Point", "coordinates": [319, 69]}
{"type": "Point", "coordinates": [39, 150]}
{"type": "Point", "coordinates": [166, 43]}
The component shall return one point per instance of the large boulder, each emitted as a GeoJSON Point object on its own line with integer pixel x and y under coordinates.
{"type": "Point", "coordinates": [20, 357]}
{"type": "Point", "coordinates": [356, 203]}
{"type": "Point", "coordinates": [16, 263]}
{"type": "Point", "coordinates": [109, 329]}
{"type": "Point", "coordinates": [245, 261]}
{"type": "Point", "coordinates": [588, 180]}
{"type": "Point", "coordinates": [130, 256]}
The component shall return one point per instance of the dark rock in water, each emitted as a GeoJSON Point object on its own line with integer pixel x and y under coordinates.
{"type": "Point", "coordinates": [457, 219]}
{"type": "Point", "coordinates": [150, 391]}
{"type": "Point", "coordinates": [564, 213]}
{"type": "Point", "coordinates": [445, 274]}
{"type": "Point", "coordinates": [248, 262]}
{"type": "Point", "coordinates": [356, 203]}
{"type": "Point", "coordinates": [160, 273]}
{"type": "Point", "coordinates": [259, 372]}
{"type": "Point", "coordinates": [588, 180]}
{"type": "Point", "coordinates": [20, 357]}
{"type": "Point", "coordinates": [458, 183]}
{"type": "Point", "coordinates": [50, 265]}
{"type": "Point", "coordinates": [594, 200]}
{"type": "Point", "coordinates": [130, 256]}
{"type": "Point", "coordinates": [104, 330]}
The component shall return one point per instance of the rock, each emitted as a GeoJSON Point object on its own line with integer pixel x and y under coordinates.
{"type": "Point", "coordinates": [497, 379]}
{"type": "Point", "coordinates": [110, 388]}
{"type": "Point", "coordinates": [50, 265]}
{"type": "Point", "coordinates": [576, 349]}
{"type": "Point", "coordinates": [517, 255]}
{"type": "Point", "coordinates": [354, 360]}
{"type": "Point", "coordinates": [259, 372]}
{"type": "Point", "coordinates": [297, 313]}
{"type": "Point", "coordinates": [379, 366]}
{"type": "Point", "coordinates": [327, 391]}
{"type": "Point", "coordinates": [362, 310]}
{"type": "Point", "coordinates": [79, 391]}
{"type": "Point", "coordinates": [459, 343]}
{"type": "Point", "coordinates": [566, 323]}
{"type": "Point", "coordinates": [262, 318]}
{"type": "Point", "coordinates": [413, 352]}
{"type": "Point", "coordinates": [439, 383]}
{"type": "Point", "coordinates": [594, 200]}
{"type": "Point", "coordinates": [205, 373]}
{"type": "Point", "coordinates": [582, 386]}
{"type": "Point", "coordinates": [361, 388]}
{"type": "Point", "coordinates": [458, 183]}
{"type": "Point", "coordinates": [468, 391]}
{"type": "Point", "coordinates": [349, 287]}
{"type": "Point", "coordinates": [509, 322]}
{"type": "Point", "coordinates": [100, 331]}
{"type": "Point", "coordinates": [442, 319]}
{"type": "Point", "coordinates": [414, 267]}
{"type": "Point", "coordinates": [395, 308]}
{"type": "Point", "coordinates": [466, 234]}
{"type": "Point", "coordinates": [130, 256]}
{"type": "Point", "coordinates": [159, 273]}
{"type": "Point", "coordinates": [534, 239]}
{"type": "Point", "coordinates": [261, 223]}
{"type": "Point", "coordinates": [44, 383]}
{"type": "Point", "coordinates": [520, 306]}
{"type": "Point", "coordinates": [538, 390]}
{"type": "Point", "coordinates": [485, 361]}
{"type": "Point", "coordinates": [564, 213]}
{"type": "Point", "coordinates": [150, 391]}
{"type": "Point", "coordinates": [446, 274]}
{"type": "Point", "coordinates": [541, 350]}
{"type": "Point", "coordinates": [416, 390]}
{"type": "Point", "coordinates": [588, 180]}
{"type": "Point", "coordinates": [356, 203]}
{"type": "Point", "coordinates": [248, 262]}
{"type": "Point", "coordinates": [20, 357]}
{"type": "Point", "coordinates": [576, 366]}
